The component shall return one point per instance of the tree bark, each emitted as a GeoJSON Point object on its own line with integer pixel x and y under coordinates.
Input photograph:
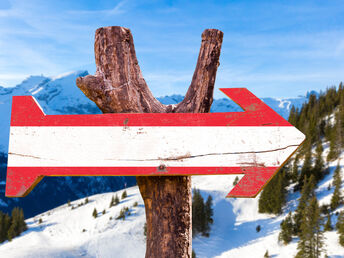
{"type": "Point", "coordinates": [119, 87]}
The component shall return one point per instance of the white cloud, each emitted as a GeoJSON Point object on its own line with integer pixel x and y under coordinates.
{"type": "Point", "coordinates": [117, 9]}
{"type": "Point", "coordinates": [13, 76]}
{"type": "Point", "coordinates": [10, 80]}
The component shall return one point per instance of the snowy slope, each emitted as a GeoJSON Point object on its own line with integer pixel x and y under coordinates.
{"type": "Point", "coordinates": [267, 238]}
{"type": "Point", "coordinates": [67, 232]}
{"type": "Point", "coordinates": [233, 233]}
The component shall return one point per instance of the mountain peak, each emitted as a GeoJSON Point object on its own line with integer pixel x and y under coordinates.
{"type": "Point", "coordinates": [73, 74]}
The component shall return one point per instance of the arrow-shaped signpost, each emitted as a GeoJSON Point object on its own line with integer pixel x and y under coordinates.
{"type": "Point", "coordinates": [255, 143]}
{"type": "Point", "coordinates": [161, 145]}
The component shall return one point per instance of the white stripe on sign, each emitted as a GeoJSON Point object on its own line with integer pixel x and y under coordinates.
{"type": "Point", "coordinates": [179, 146]}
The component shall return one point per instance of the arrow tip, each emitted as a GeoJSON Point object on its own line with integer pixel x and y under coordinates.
{"type": "Point", "coordinates": [253, 182]}
{"type": "Point", "coordinates": [25, 110]}
{"type": "Point", "coordinates": [20, 181]}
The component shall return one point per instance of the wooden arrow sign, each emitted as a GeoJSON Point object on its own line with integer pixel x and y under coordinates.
{"type": "Point", "coordinates": [256, 142]}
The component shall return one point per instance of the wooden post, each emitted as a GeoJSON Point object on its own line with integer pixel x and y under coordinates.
{"type": "Point", "coordinates": [119, 87]}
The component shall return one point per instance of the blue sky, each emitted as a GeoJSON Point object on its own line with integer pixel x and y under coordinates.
{"type": "Point", "coordinates": [274, 48]}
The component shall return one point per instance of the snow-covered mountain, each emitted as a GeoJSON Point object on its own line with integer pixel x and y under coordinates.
{"type": "Point", "coordinates": [280, 105]}
{"type": "Point", "coordinates": [56, 95]}
{"type": "Point", "coordinates": [72, 231]}
{"type": "Point", "coordinates": [60, 95]}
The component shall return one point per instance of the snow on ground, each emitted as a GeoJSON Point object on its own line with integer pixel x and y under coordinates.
{"type": "Point", "coordinates": [258, 247]}
{"type": "Point", "coordinates": [67, 232]}
{"type": "Point", "coordinates": [61, 232]}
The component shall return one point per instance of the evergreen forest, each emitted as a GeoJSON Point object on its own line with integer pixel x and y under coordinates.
{"type": "Point", "coordinates": [321, 119]}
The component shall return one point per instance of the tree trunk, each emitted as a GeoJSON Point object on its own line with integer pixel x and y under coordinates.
{"type": "Point", "coordinates": [119, 87]}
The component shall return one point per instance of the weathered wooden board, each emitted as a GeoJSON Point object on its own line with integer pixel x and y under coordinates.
{"type": "Point", "coordinates": [255, 142]}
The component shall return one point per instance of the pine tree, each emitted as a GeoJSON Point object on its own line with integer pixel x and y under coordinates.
{"type": "Point", "coordinates": [209, 212]}
{"type": "Point", "coordinates": [193, 254]}
{"type": "Point", "coordinates": [1, 226]}
{"type": "Point", "coordinates": [121, 214]}
{"type": "Point", "coordinates": [116, 199]}
{"type": "Point", "coordinates": [307, 193]}
{"type": "Point", "coordinates": [337, 182]}
{"type": "Point", "coordinates": [124, 194]}
{"type": "Point", "coordinates": [334, 145]}
{"type": "Point", "coordinates": [86, 200]}
{"type": "Point", "coordinates": [340, 116]}
{"type": "Point", "coordinates": [293, 116]}
{"type": "Point", "coordinates": [272, 197]}
{"type": "Point", "coordinates": [202, 214]}
{"type": "Point", "coordinates": [295, 169]}
{"type": "Point", "coordinates": [95, 213]}
{"type": "Point", "coordinates": [306, 169]}
{"type": "Point", "coordinates": [198, 213]}
{"type": "Point", "coordinates": [340, 220]}
{"type": "Point", "coordinates": [328, 224]}
{"type": "Point", "coordinates": [339, 128]}
{"type": "Point", "coordinates": [11, 233]}
{"type": "Point", "coordinates": [236, 180]}
{"type": "Point", "coordinates": [340, 227]}
{"type": "Point", "coordinates": [112, 202]}
{"type": "Point", "coordinates": [266, 255]}
{"type": "Point", "coordinates": [311, 237]}
{"type": "Point", "coordinates": [22, 224]}
{"type": "Point", "coordinates": [328, 130]}
{"type": "Point", "coordinates": [18, 224]}
{"type": "Point", "coordinates": [5, 225]}
{"type": "Point", "coordinates": [285, 236]}
{"type": "Point", "coordinates": [319, 167]}
{"type": "Point", "coordinates": [208, 216]}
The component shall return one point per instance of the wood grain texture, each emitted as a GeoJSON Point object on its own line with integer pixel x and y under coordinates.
{"type": "Point", "coordinates": [119, 87]}
{"type": "Point", "coordinates": [171, 146]}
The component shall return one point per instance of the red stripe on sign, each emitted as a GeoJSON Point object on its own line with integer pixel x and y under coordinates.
{"type": "Point", "coordinates": [21, 180]}
{"type": "Point", "coordinates": [27, 112]}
